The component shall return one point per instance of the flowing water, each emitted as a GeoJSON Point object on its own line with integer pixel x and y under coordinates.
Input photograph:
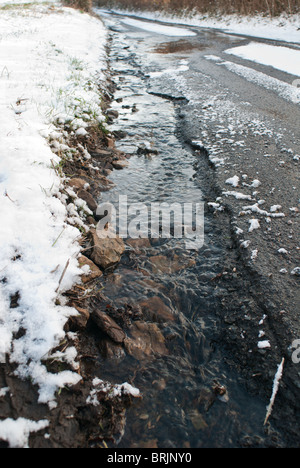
{"type": "Point", "coordinates": [191, 397]}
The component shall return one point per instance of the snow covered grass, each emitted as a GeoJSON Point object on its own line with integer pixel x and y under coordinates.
{"type": "Point", "coordinates": [51, 62]}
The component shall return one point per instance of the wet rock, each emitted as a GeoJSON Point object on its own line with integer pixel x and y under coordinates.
{"type": "Point", "coordinates": [94, 273]}
{"type": "Point", "coordinates": [163, 264]}
{"type": "Point", "coordinates": [138, 244]}
{"type": "Point", "coordinates": [147, 149]}
{"type": "Point", "coordinates": [145, 340]}
{"type": "Point", "coordinates": [156, 310]}
{"type": "Point", "coordinates": [111, 350]}
{"type": "Point", "coordinates": [197, 420]}
{"type": "Point", "coordinates": [120, 164]}
{"type": "Point", "coordinates": [89, 199]}
{"type": "Point", "coordinates": [106, 252]}
{"type": "Point", "coordinates": [108, 326]}
{"type": "Point", "coordinates": [113, 114]}
{"type": "Point", "coordinates": [119, 134]}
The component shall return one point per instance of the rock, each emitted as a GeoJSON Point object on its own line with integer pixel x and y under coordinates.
{"type": "Point", "coordinates": [101, 154]}
{"type": "Point", "coordinates": [156, 310]}
{"type": "Point", "coordinates": [139, 243]}
{"type": "Point", "coordinates": [111, 350]}
{"type": "Point", "coordinates": [106, 252]}
{"type": "Point", "coordinates": [114, 114]}
{"type": "Point", "coordinates": [80, 320]}
{"type": "Point", "coordinates": [163, 264]}
{"type": "Point", "coordinates": [146, 340]}
{"type": "Point", "coordinates": [88, 198]}
{"type": "Point", "coordinates": [108, 326]}
{"type": "Point", "coordinates": [110, 143]}
{"type": "Point", "coordinates": [120, 164]}
{"type": "Point", "coordinates": [119, 134]}
{"type": "Point", "coordinates": [77, 184]}
{"type": "Point", "coordinates": [197, 420]}
{"type": "Point", "coordinates": [95, 272]}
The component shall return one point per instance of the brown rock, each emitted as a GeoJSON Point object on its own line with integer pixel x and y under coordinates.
{"type": "Point", "coordinates": [106, 252]}
{"type": "Point", "coordinates": [77, 183]}
{"type": "Point", "coordinates": [139, 243]}
{"type": "Point", "coordinates": [80, 320]}
{"type": "Point", "coordinates": [146, 340]}
{"type": "Point", "coordinates": [88, 198]}
{"type": "Point", "coordinates": [111, 350]}
{"type": "Point", "coordinates": [156, 310]}
{"type": "Point", "coordinates": [110, 143]}
{"type": "Point", "coordinates": [108, 326]}
{"type": "Point", "coordinates": [95, 272]}
{"type": "Point", "coordinates": [120, 163]}
{"type": "Point", "coordinates": [163, 264]}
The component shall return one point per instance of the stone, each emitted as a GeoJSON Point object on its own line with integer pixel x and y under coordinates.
{"type": "Point", "coordinates": [89, 199]}
{"type": "Point", "coordinates": [108, 326]}
{"type": "Point", "coordinates": [156, 310]}
{"type": "Point", "coordinates": [163, 264]}
{"type": "Point", "coordinates": [145, 340]}
{"type": "Point", "coordinates": [120, 164]}
{"type": "Point", "coordinates": [111, 350]}
{"type": "Point", "coordinates": [95, 272]}
{"type": "Point", "coordinates": [106, 252]}
{"type": "Point", "coordinates": [77, 184]}
{"type": "Point", "coordinates": [80, 320]}
{"type": "Point", "coordinates": [138, 244]}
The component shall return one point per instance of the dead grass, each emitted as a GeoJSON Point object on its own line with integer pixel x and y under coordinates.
{"type": "Point", "coordinates": [84, 5]}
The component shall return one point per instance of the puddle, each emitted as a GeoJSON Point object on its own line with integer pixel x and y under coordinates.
{"type": "Point", "coordinates": [178, 47]}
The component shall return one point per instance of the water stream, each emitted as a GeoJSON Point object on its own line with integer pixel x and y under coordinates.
{"type": "Point", "coordinates": [190, 395]}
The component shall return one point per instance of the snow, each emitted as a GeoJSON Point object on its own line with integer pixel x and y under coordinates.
{"type": "Point", "coordinates": [281, 58]}
{"type": "Point", "coordinates": [17, 432]}
{"type": "Point", "coordinates": [287, 91]}
{"type": "Point", "coordinates": [234, 181]}
{"type": "Point", "coordinates": [276, 382]}
{"type": "Point", "coordinates": [51, 62]}
{"type": "Point", "coordinates": [159, 28]}
{"type": "Point", "coordinates": [111, 391]}
{"type": "Point", "coordinates": [264, 344]}
{"type": "Point", "coordinates": [254, 224]}
{"type": "Point", "coordinates": [282, 28]}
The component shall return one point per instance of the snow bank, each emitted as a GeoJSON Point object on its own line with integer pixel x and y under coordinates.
{"type": "Point", "coordinates": [283, 28]}
{"type": "Point", "coordinates": [282, 58]}
{"type": "Point", "coordinates": [50, 63]}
